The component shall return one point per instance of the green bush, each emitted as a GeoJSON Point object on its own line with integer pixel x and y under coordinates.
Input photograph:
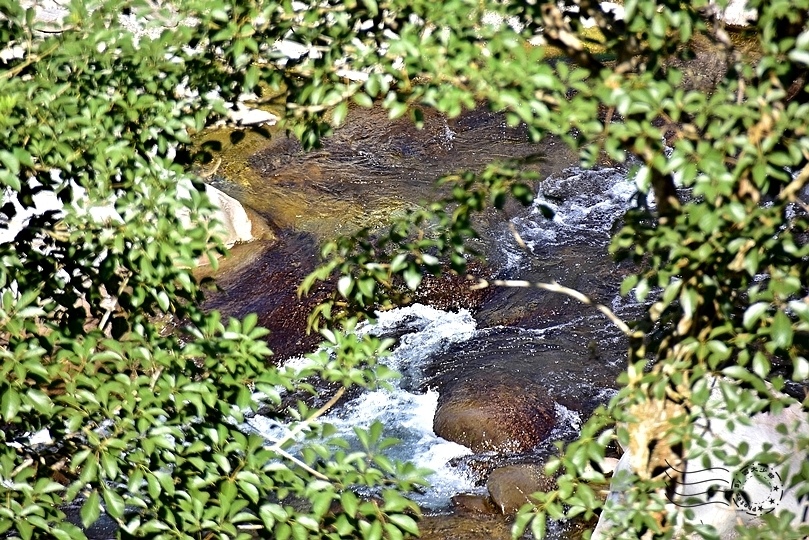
{"type": "Point", "coordinates": [104, 343]}
{"type": "Point", "coordinates": [144, 417]}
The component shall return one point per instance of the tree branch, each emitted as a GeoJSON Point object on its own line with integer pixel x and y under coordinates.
{"type": "Point", "coordinates": [555, 287]}
{"type": "Point", "coordinates": [300, 427]}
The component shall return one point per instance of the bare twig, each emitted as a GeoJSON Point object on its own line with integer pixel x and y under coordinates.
{"type": "Point", "coordinates": [301, 464]}
{"type": "Point", "coordinates": [114, 304]}
{"type": "Point", "coordinates": [517, 237]}
{"type": "Point", "coordinates": [300, 427]}
{"type": "Point", "coordinates": [24, 465]}
{"type": "Point", "coordinates": [555, 287]}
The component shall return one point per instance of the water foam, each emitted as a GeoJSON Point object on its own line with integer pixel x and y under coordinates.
{"type": "Point", "coordinates": [427, 331]}
{"type": "Point", "coordinates": [409, 418]}
{"type": "Point", "coordinates": [407, 415]}
{"type": "Point", "coordinates": [587, 214]}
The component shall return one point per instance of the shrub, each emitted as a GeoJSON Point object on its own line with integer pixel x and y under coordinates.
{"type": "Point", "coordinates": [105, 346]}
{"type": "Point", "coordinates": [144, 420]}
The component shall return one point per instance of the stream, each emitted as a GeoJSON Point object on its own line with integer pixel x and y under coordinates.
{"type": "Point", "coordinates": [518, 339]}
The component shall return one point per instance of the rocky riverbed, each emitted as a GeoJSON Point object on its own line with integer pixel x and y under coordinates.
{"type": "Point", "coordinates": [491, 377]}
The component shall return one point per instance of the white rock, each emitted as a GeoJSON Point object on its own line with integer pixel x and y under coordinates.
{"type": "Point", "coordinates": [238, 225]}
{"type": "Point", "coordinates": [291, 49]}
{"type": "Point", "coordinates": [43, 202]}
{"type": "Point", "coordinates": [736, 13]}
{"type": "Point", "coordinates": [48, 12]}
{"type": "Point", "coordinates": [617, 10]}
{"type": "Point", "coordinates": [714, 493]}
{"type": "Point", "coordinates": [248, 116]}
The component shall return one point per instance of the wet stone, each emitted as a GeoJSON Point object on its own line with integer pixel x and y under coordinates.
{"type": "Point", "coordinates": [511, 486]}
{"type": "Point", "coordinates": [491, 412]}
{"type": "Point", "coordinates": [465, 503]}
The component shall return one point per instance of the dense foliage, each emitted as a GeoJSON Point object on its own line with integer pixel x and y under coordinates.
{"type": "Point", "coordinates": [718, 231]}
{"type": "Point", "coordinates": [144, 416]}
{"type": "Point", "coordinates": [103, 342]}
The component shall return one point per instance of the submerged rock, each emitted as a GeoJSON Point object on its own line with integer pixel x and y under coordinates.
{"type": "Point", "coordinates": [465, 527]}
{"type": "Point", "coordinates": [511, 486]}
{"type": "Point", "coordinates": [475, 504]}
{"type": "Point", "coordinates": [266, 283]}
{"type": "Point", "coordinates": [495, 412]}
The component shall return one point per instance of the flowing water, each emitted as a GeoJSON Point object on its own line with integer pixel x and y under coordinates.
{"type": "Point", "coordinates": [538, 337]}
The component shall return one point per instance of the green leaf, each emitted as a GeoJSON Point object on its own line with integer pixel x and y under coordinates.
{"type": "Point", "coordinates": [371, 6]}
{"type": "Point", "coordinates": [163, 300]}
{"type": "Point", "coordinates": [781, 330]}
{"type": "Point", "coordinates": [800, 369]}
{"type": "Point", "coordinates": [339, 114]}
{"type": "Point", "coordinates": [10, 161]}
{"type": "Point", "coordinates": [800, 56]}
{"type": "Point", "coordinates": [688, 302]}
{"type": "Point", "coordinates": [91, 509]}
{"type": "Point", "coordinates": [628, 284]}
{"type": "Point", "coordinates": [308, 522]}
{"type": "Point", "coordinates": [10, 405]}
{"type": "Point", "coordinates": [40, 400]}
{"type": "Point", "coordinates": [405, 522]}
{"type": "Point", "coordinates": [538, 528]}
{"type": "Point", "coordinates": [363, 100]}
{"type": "Point", "coordinates": [109, 464]}
{"type": "Point", "coordinates": [344, 285]}
{"type": "Point", "coordinates": [761, 365]}
{"type": "Point", "coordinates": [114, 503]}
{"type": "Point", "coordinates": [412, 277]}
{"type": "Point", "coordinates": [753, 313]}
{"type": "Point", "coordinates": [349, 502]}
{"type": "Point", "coordinates": [397, 110]}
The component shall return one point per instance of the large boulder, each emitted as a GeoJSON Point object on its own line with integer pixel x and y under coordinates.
{"type": "Point", "coordinates": [495, 412]}
{"type": "Point", "coordinates": [736, 13]}
{"type": "Point", "coordinates": [237, 223]}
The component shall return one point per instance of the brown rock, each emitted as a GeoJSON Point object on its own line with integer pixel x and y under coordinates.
{"type": "Point", "coordinates": [265, 282]}
{"type": "Point", "coordinates": [511, 486]}
{"type": "Point", "coordinates": [465, 527]}
{"type": "Point", "coordinates": [473, 504]}
{"type": "Point", "coordinates": [495, 412]}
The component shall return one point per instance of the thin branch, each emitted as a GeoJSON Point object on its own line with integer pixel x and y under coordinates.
{"type": "Point", "coordinates": [555, 287]}
{"type": "Point", "coordinates": [300, 427]}
{"type": "Point", "coordinates": [517, 237]}
{"type": "Point", "coordinates": [28, 62]}
{"type": "Point", "coordinates": [114, 304]}
{"type": "Point", "coordinates": [301, 464]}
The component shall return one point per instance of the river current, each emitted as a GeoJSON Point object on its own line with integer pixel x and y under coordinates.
{"type": "Point", "coordinates": [586, 206]}
{"type": "Point", "coordinates": [538, 337]}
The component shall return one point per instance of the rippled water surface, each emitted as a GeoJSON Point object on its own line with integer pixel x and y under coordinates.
{"type": "Point", "coordinates": [374, 167]}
